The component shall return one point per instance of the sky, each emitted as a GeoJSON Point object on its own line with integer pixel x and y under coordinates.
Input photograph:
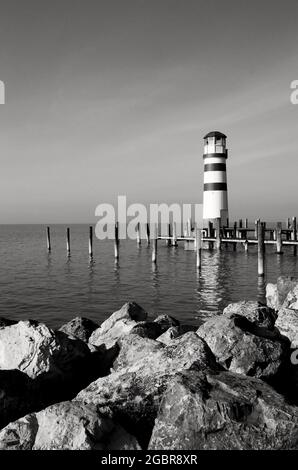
{"type": "Point", "coordinates": [113, 97]}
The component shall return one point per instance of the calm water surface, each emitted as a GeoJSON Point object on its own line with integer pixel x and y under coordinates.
{"type": "Point", "coordinates": [54, 288]}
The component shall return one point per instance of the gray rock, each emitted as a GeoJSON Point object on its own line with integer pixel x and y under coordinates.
{"type": "Point", "coordinates": [67, 426]}
{"type": "Point", "coordinates": [169, 335]}
{"type": "Point", "coordinates": [287, 323]}
{"type": "Point", "coordinates": [241, 347]}
{"type": "Point", "coordinates": [147, 329]}
{"type": "Point", "coordinates": [272, 296]}
{"type": "Point", "coordinates": [79, 327]}
{"type": "Point", "coordinates": [132, 394]}
{"type": "Point", "coordinates": [276, 293]}
{"type": "Point", "coordinates": [134, 348]}
{"type": "Point", "coordinates": [256, 312]}
{"type": "Point", "coordinates": [223, 411]}
{"type": "Point", "coordinates": [165, 322]}
{"type": "Point", "coordinates": [117, 325]}
{"type": "Point", "coordinates": [39, 366]}
{"type": "Point", "coordinates": [291, 300]}
{"type": "Point", "coordinates": [29, 347]}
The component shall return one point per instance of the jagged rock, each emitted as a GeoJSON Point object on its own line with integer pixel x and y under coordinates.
{"type": "Point", "coordinates": [242, 347]}
{"type": "Point", "coordinates": [165, 322]}
{"type": "Point", "coordinates": [132, 394]}
{"type": "Point", "coordinates": [291, 300]}
{"type": "Point", "coordinates": [47, 366]}
{"type": "Point", "coordinates": [29, 347]}
{"type": "Point", "coordinates": [67, 426]}
{"type": "Point", "coordinates": [34, 349]}
{"type": "Point", "coordinates": [276, 293]}
{"type": "Point", "coordinates": [147, 329]}
{"type": "Point", "coordinates": [221, 412]}
{"type": "Point", "coordinates": [272, 296]}
{"type": "Point", "coordinates": [169, 335]}
{"type": "Point", "coordinates": [256, 312]}
{"type": "Point", "coordinates": [134, 348]}
{"type": "Point", "coordinates": [118, 324]}
{"type": "Point", "coordinates": [287, 323]}
{"type": "Point", "coordinates": [79, 327]}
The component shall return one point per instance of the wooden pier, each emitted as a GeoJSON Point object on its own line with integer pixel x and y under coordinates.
{"type": "Point", "coordinates": [214, 236]}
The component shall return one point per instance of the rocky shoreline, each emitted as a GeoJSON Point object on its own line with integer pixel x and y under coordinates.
{"type": "Point", "coordinates": [132, 383]}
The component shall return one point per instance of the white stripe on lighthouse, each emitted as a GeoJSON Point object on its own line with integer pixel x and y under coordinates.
{"type": "Point", "coordinates": [215, 177]}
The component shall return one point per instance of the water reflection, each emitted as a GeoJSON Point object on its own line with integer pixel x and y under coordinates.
{"type": "Point", "coordinates": [209, 289]}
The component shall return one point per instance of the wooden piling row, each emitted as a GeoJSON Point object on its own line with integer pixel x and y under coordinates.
{"type": "Point", "coordinates": [214, 235]}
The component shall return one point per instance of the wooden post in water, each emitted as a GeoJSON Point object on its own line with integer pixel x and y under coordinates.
{"type": "Point", "coordinates": [256, 228]}
{"type": "Point", "coordinates": [235, 235]}
{"type": "Point", "coordinates": [148, 233]}
{"type": "Point", "coordinates": [174, 238]}
{"type": "Point", "coordinates": [138, 234]}
{"type": "Point", "coordinates": [189, 227]}
{"type": "Point", "coordinates": [169, 235]}
{"type": "Point", "coordinates": [198, 247]}
{"type": "Point", "coordinates": [49, 240]}
{"type": "Point", "coordinates": [261, 249]}
{"type": "Point", "coordinates": [294, 233]}
{"type": "Point", "coordinates": [91, 241]}
{"type": "Point", "coordinates": [154, 245]}
{"type": "Point", "coordinates": [116, 241]}
{"type": "Point", "coordinates": [68, 241]}
{"type": "Point", "coordinates": [278, 238]}
{"type": "Point", "coordinates": [288, 225]}
{"type": "Point", "coordinates": [218, 234]}
{"type": "Point", "coordinates": [240, 227]}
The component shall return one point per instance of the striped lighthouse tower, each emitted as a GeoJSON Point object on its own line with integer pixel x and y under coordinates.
{"type": "Point", "coordinates": [215, 200]}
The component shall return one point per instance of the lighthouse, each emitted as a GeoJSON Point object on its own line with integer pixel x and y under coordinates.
{"type": "Point", "coordinates": [215, 199]}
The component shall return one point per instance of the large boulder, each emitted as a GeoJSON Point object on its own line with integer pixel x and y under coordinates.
{"type": "Point", "coordinates": [169, 335]}
{"type": "Point", "coordinates": [223, 411]}
{"type": "Point", "coordinates": [256, 312]}
{"type": "Point", "coordinates": [242, 347]}
{"type": "Point", "coordinates": [39, 367]}
{"type": "Point", "coordinates": [287, 323]}
{"type": "Point", "coordinates": [133, 348]}
{"type": "Point", "coordinates": [291, 300]}
{"type": "Point", "coordinates": [117, 325]}
{"type": "Point", "coordinates": [35, 349]}
{"type": "Point", "coordinates": [79, 327]}
{"type": "Point", "coordinates": [131, 395]}
{"type": "Point", "coordinates": [66, 426]}
{"type": "Point", "coordinates": [277, 293]}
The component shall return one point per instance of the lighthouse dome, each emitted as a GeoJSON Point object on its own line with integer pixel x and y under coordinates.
{"type": "Point", "coordinates": [215, 134]}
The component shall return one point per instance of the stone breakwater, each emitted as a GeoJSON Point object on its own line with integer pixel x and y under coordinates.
{"type": "Point", "coordinates": [136, 383]}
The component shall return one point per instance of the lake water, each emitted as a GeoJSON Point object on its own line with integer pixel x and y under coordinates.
{"type": "Point", "coordinates": [53, 288]}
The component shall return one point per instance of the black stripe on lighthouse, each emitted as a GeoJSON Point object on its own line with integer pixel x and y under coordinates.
{"type": "Point", "coordinates": [215, 167]}
{"type": "Point", "coordinates": [215, 187]}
